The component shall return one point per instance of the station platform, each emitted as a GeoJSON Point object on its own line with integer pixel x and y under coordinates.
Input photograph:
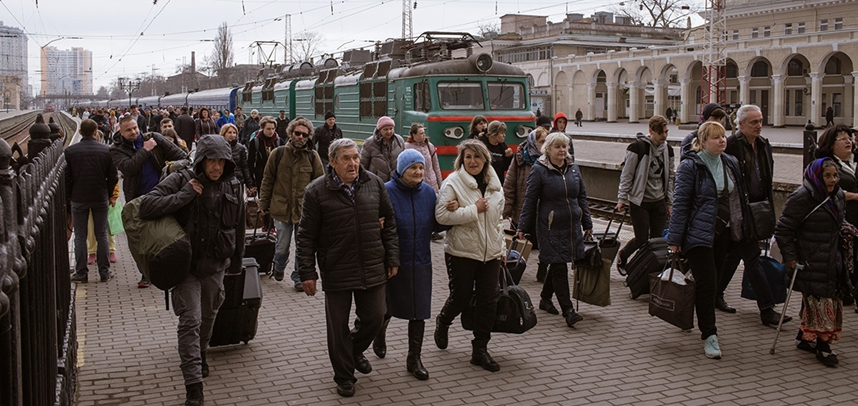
{"type": "Point", "coordinates": [618, 355]}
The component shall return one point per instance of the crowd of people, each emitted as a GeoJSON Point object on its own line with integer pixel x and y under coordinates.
{"type": "Point", "coordinates": [363, 219]}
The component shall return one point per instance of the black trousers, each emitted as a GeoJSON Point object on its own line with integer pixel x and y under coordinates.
{"type": "Point", "coordinates": [706, 263]}
{"type": "Point", "coordinates": [470, 277]}
{"type": "Point", "coordinates": [648, 220]}
{"type": "Point", "coordinates": [748, 252]}
{"type": "Point", "coordinates": [343, 343]}
{"type": "Point", "coordinates": [557, 283]}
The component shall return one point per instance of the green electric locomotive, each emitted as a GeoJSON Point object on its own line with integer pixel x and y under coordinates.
{"type": "Point", "coordinates": [411, 82]}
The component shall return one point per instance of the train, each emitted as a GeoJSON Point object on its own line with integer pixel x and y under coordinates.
{"type": "Point", "coordinates": [411, 81]}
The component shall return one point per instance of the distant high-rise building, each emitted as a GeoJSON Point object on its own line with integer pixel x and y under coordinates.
{"type": "Point", "coordinates": [66, 71]}
{"type": "Point", "coordinates": [13, 53]}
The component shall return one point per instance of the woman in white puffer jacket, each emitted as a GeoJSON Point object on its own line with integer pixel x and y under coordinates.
{"type": "Point", "coordinates": [471, 200]}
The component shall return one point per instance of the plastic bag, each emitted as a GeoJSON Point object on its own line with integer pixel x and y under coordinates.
{"type": "Point", "coordinates": [114, 219]}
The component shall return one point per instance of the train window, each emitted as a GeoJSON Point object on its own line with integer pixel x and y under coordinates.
{"type": "Point", "coordinates": [422, 102]}
{"type": "Point", "coordinates": [460, 96]}
{"type": "Point", "coordinates": [506, 96]}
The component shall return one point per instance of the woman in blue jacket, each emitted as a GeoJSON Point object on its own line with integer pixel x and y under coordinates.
{"type": "Point", "coordinates": [708, 213]}
{"type": "Point", "coordinates": [409, 293]}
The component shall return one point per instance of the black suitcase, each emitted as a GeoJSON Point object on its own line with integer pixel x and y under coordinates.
{"type": "Point", "coordinates": [650, 258]}
{"type": "Point", "coordinates": [609, 241]}
{"type": "Point", "coordinates": [261, 248]}
{"type": "Point", "coordinates": [237, 318]}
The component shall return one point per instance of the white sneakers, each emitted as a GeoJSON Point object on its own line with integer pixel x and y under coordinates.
{"type": "Point", "coordinates": [711, 348]}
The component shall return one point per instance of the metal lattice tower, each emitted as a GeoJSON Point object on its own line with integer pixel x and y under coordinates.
{"type": "Point", "coordinates": [714, 80]}
{"type": "Point", "coordinates": [287, 53]}
{"type": "Point", "coordinates": [406, 20]}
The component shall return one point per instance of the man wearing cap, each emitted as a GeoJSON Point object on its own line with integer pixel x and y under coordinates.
{"type": "Point", "coordinates": [251, 125]}
{"type": "Point", "coordinates": [282, 124]}
{"type": "Point", "coordinates": [380, 151]}
{"type": "Point", "coordinates": [325, 134]}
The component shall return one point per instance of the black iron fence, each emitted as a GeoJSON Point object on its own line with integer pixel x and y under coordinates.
{"type": "Point", "coordinates": [38, 343]}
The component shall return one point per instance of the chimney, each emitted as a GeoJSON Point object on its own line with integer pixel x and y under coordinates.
{"type": "Point", "coordinates": [193, 62]}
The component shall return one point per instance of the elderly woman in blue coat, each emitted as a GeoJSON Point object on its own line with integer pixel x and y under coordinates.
{"type": "Point", "coordinates": [555, 207]}
{"type": "Point", "coordinates": [708, 214]}
{"type": "Point", "coordinates": [409, 293]}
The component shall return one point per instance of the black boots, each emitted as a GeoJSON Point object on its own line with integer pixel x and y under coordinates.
{"type": "Point", "coordinates": [194, 395]}
{"type": "Point", "coordinates": [379, 345]}
{"type": "Point", "coordinates": [441, 330]}
{"type": "Point", "coordinates": [481, 356]}
{"type": "Point", "coordinates": [722, 305]}
{"type": "Point", "coordinates": [205, 365]}
{"type": "Point", "coordinates": [415, 343]}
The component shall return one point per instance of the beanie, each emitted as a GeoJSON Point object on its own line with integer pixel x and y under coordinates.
{"type": "Point", "coordinates": [384, 121]}
{"type": "Point", "coordinates": [407, 158]}
{"type": "Point", "coordinates": [329, 114]}
{"type": "Point", "coordinates": [708, 109]}
{"type": "Point", "coordinates": [543, 121]}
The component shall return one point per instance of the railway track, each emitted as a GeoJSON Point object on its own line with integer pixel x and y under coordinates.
{"type": "Point", "coordinates": [16, 129]}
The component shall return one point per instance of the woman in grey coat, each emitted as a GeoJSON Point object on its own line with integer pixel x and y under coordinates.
{"type": "Point", "coordinates": [380, 151]}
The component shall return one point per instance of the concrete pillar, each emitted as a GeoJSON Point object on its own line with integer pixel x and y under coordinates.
{"type": "Point", "coordinates": [779, 118]}
{"type": "Point", "coordinates": [854, 99]}
{"type": "Point", "coordinates": [634, 102]}
{"type": "Point", "coordinates": [591, 102]}
{"type": "Point", "coordinates": [612, 102]}
{"type": "Point", "coordinates": [660, 96]}
{"type": "Point", "coordinates": [816, 99]}
{"type": "Point", "coordinates": [686, 112]}
{"type": "Point", "coordinates": [744, 90]}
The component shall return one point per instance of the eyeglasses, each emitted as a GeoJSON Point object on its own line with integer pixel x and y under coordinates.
{"type": "Point", "coordinates": [300, 134]}
{"type": "Point", "coordinates": [844, 139]}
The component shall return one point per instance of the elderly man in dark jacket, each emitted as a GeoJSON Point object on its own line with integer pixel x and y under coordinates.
{"type": "Point", "coordinates": [348, 224]}
{"type": "Point", "coordinates": [90, 179]}
{"type": "Point", "coordinates": [141, 161]}
{"type": "Point", "coordinates": [207, 201]}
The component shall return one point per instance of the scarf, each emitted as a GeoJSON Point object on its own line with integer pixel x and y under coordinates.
{"type": "Point", "coordinates": [532, 148]}
{"type": "Point", "coordinates": [813, 174]}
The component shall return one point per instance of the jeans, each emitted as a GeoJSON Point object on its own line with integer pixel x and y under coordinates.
{"type": "Point", "coordinates": [649, 220]}
{"type": "Point", "coordinates": [345, 344]}
{"type": "Point", "coordinates": [285, 231]}
{"type": "Point", "coordinates": [469, 277]}
{"type": "Point", "coordinates": [80, 219]}
{"type": "Point", "coordinates": [196, 302]}
{"type": "Point", "coordinates": [749, 252]}
{"type": "Point", "coordinates": [706, 263]}
{"type": "Point", "coordinates": [557, 283]}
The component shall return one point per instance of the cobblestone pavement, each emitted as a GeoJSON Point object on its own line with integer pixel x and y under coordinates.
{"type": "Point", "coordinates": [617, 355]}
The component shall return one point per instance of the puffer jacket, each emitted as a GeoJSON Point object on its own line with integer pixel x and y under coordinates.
{"type": "Point", "coordinates": [409, 293]}
{"type": "Point", "coordinates": [379, 157]}
{"type": "Point", "coordinates": [555, 208]}
{"type": "Point", "coordinates": [695, 204]}
{"type": "Point", "coordinates": [214, 220]}
{"type": "Point", "coordinates": [634, 178]}
{"type": "Point", "coordinates": [432, 170]}
{"type": "Point", "coordinates": [813, 241]}
{"type": "Point", "coordinates": [474, 235]}
{"type": "Point", "coordinates": [283, 186]}
{"type": "Point", "coordinates": [242, 171]}
{"type": "Point", "coordinates": [353, 252]}
{"type": "Point", "coordinates": [515, 183]}
{"type": "Point", "coordinates": [130, 161]}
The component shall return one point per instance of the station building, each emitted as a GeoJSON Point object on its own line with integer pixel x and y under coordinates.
{"type": "Point", "coordinates": [793, 58]}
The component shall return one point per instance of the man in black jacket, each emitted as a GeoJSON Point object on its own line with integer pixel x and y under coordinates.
{"type": "Point", "coordinates": [208, 203]}
{"type": "Point", "coordinates": [185, 127]}
{"type": "Point", "coordinates": [756, 164]}
{"type": "Point", "coordinates": [347, 222]}
{"type": "Point", "coordinates": [282, 124]}
{"type": "Point", "coordinates": [90, 179]}
{"type": "Point", "coordinates": [141, 162]}
{"type": "Point", "coordinates": [325, 134]}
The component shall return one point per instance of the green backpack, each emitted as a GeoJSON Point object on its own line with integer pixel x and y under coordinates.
{"type": "Point", "coordinates": [160, 246]}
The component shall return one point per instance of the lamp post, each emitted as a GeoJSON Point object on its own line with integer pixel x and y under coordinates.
{"type": "Point", "coordinates": [129, 85]}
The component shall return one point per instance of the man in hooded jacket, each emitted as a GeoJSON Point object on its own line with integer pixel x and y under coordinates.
{"type": "Point", "coordinates": [559, 126]}
{"type": "Point", "coordinates": [207, 201]}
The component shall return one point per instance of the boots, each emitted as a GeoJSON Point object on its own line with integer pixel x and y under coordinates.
{"type": "Point", "coordinates": [379, 345]}
{"type": "Point", "coordinates": [481, 356]}
{"type": "Point", "coordinates": [441, 330]}
{"type": "Point", "coordinates": [415, 343]}
{"type": "Point", "coordinates": [194, 395]}
{"type": "Point", "coordinates": [205, 365]}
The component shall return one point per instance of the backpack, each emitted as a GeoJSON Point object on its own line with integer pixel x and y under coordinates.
{"type": "Point", "coordinates": [641, 148]}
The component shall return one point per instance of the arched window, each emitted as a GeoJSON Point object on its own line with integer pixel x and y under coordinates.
{"type": "Point", "coordinates": [601, 78]}
{"type": "Point", "coordinates": [760, 70]}
{"type": "Point", "coordinates": [833, 66]}
{"type": "Point", "coordinates": [795, 67]}
{"type": "Point", "coordinates": [732, 70]}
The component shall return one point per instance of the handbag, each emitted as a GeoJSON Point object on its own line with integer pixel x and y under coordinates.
{"type": "Point", "coordinates": [593, 285]}
{"type": "Point", "coordinates": [592, 254]}
{"type": "Point", "coordinates": [114, 219]}
{"type": "Point", "coordinates": [763, 219]}
{"type": "Point", "coordinates": [671, 301]}
{"type": "Point", "coordinates": [514, 313]}
{"type": "Point", "coordinates": [252, 218]}
{"type": "Point", "coordinates": [775, 274]}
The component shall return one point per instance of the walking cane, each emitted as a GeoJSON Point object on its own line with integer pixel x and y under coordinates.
{"type": "Point", "coordinates": [798, 267]}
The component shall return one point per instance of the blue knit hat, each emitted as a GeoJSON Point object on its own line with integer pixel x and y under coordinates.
{"type": "Point", "coordinates": [407, 158]}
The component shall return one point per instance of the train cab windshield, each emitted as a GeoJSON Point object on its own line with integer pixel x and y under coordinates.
{"type": "Point", "coordinates": [470, 96]}
{"type": "Point", "coordinates": [506, 96]}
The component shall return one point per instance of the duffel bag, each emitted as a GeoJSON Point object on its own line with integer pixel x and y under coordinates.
{"type": "Point", "coordinates": [160, 247]}
{"type": "Point", "coordinates": [514, 313]}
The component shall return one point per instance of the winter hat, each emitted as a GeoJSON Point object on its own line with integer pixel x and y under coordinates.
{"type": "Point", "coordinates": [543, 121]}
{"type": "Point", "coordinates": [407, 158]}
{"type": "Point", "coordinates": [708, 109]}
{"type": "Point", "coordinates": [254, 111]}
{"type": "Point", "coordinates": [329, 114]}
{"type": "Point", "coordinates": [384, 121]}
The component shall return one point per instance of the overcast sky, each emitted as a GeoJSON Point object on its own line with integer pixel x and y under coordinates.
{"type": "Point", "coordinates": [173, 28]}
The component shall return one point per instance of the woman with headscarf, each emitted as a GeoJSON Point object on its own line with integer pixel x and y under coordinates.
{"type": "Point", "coordinates": [809, 232]}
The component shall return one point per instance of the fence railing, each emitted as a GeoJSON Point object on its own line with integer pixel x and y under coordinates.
{"type": "Point", "coordinates": [38, 343]}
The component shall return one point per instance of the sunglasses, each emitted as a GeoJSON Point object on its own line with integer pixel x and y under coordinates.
{"type": "Point", "coordinates": [298, 133]}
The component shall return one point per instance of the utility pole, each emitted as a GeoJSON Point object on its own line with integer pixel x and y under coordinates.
{"type": "Point", "coordinates": [154, 92]}
{"type": "Point", "coordinates": [287, 44]}
{"type": "Point", "coordinates": [714, 80]}
{"type": "Point", "coordinates": [406, 19]}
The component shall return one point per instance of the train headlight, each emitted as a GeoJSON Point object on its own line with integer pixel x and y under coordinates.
{"type": "Point", "coordinates": [454, 132]}
{"type": "Point", "coordinates": [522, 131]}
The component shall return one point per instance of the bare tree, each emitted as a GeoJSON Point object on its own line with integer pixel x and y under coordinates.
{"type": "Point", "coordinates": [102, 92]}
{"type": "Point", "coordinates": [306, 45]}
{"type": "Point", "coordinates": [223, 54]}
{"type": "Point", "coordinates": [658, 13]}
{"type": "Point", "coordinates": [489, 30]}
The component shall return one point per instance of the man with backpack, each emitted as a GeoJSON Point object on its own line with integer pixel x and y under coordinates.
{"type": "Point", "coordinates": [207, 201]}
{"type": "Point", "coordinates": [286, 175]}
{"type": "Point", "coordinates": [258, 150]}
{"type": "Point", "coordinates": [646, 186]}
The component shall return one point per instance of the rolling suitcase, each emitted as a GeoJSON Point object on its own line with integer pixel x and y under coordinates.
{"type": "Point", "coordinates": [261, 248]}
{"type": "Point", "coordinates": [609, 243]}
{"type": "Point", "coordinates": [237, 317]}
{"type": "Point", "coordinates": [650, 258]}
{"type": "Point", "coordinates": [516, 261]}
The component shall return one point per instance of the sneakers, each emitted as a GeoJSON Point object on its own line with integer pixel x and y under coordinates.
{"type": "Point", "coordinates": [548, 306]}
{"type": "Point", "coordinates": [107, 277]}
{"type": "Point", "coordinates": [144, 283]}
{"type": "Point", "coordinates": [78, 278]}
{"type": "Point", "coordinates": [771, 318]}
{"type": "Point", "coordinates": [90, 259]}
{"type": "Point", "coordinates": [299, 287]}
{"type": "Point", "coordinates": [711, 348]}
{"type": "Point", "coordinates": [278, 276]}
{"type": "Point", "coordinates": [112, 257]}
{"type": "Point", "coordinates": [194, 395]}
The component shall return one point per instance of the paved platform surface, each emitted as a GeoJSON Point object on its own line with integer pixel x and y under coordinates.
{"type": "Point", "coordinates": [618, 355]}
